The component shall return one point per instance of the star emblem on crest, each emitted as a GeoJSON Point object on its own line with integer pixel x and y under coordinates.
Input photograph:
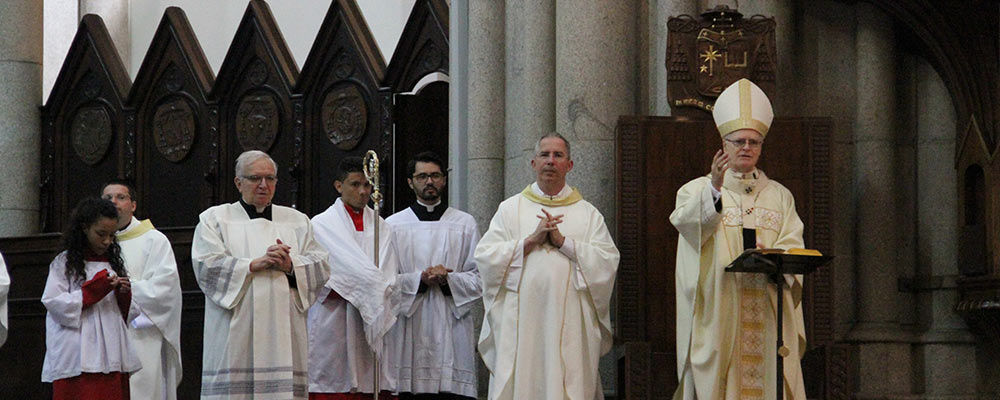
{"type": "Point", "coordinates": [710, 56]}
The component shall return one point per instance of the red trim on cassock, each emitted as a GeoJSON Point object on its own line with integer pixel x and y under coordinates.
{"type": "Point", "coordinates": [90, 386]}
{"type": "Point", "coordinates": [96, 288]}
{"type": "Point", "coordinates": [124, 302]}
{"type": "Point", "coordinates": [358, 217]}
{"type": "Point", "coordinates": [333, 296]}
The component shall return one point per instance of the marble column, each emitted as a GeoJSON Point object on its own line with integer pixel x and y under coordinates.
{"type": "Point", "coordinates": [653, 71]}
{"type": "Point", "coordinates": [115, 14]}
{"type": "Point", "coordinates": [20, 131]}
{"type": "Point", "coordinates": [530, 58]}
{"type": "Point", "coordinates": [946, 345]}
{"type": "Point", "coordinates": [596, 60]}
{"type": "Point", "coordinates": [827, 44]}
{"type": "Point", "coordinates": [879, 337]}
{"type": "Point", "coordinates": [486, 105]}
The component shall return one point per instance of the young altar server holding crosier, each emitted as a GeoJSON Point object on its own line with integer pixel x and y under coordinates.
{"type": "Point", "coordinates": [87, 294]}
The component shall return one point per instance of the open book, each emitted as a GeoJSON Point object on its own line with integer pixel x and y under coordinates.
{"type": "Point", "coordinates": [794, 252]}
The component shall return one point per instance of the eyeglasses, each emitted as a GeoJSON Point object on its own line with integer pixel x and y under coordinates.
{"type": "Point", "coordinates": [754, 143]}
{"type": "Point", "coordinates": [436, 177]}
{"type": "Point", "coordinates": [119, 197]}
{"type": "Point", "coordinates": [255, 179]}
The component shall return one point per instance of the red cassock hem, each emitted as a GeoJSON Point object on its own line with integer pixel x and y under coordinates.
{"type": "Point", "coordinates": [351, 396]}
{"type": "Point", "coordinates": [90, 386]}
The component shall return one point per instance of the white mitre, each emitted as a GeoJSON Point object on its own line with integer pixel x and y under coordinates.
{"type": "Point", "coordinates": [743, 106]}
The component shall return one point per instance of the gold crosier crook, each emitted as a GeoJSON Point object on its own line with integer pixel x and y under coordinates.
{"type": "Point", "coordinates": [370, 167]}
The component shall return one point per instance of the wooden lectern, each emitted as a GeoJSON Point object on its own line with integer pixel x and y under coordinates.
{"type": "Point", "coordinates": [775, 263]}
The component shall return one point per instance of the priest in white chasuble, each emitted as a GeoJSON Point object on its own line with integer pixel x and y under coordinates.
{"type": "Point", "coordinates": [156, 289]}
{"type": "Point", "coordinates": [439, 284]}
{"type": "Point", "coordinates": [4, 289]}
{"type": "Point", "coordinates": [357, 306]}
{"type": "Point", "coordinates": [260, 269]}
{"type": "Point", "coordinates": [548, 267]}
{"type": "Point", "coordinates": [726, 322]}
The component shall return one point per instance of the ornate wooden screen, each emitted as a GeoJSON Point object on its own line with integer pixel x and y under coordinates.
{"type": "Point", "coordinates": [87, 131]}
{"type": "Point", "coordinates": [177, 132]}
{"type": "Point", "coordinates": [656, 155]}
{"type": "Point", "coordinates": [177, 128]}
{"type": "Point", "coordinates": [422, 118]}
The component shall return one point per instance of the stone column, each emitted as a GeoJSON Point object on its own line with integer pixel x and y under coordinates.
{"type": "Point", "coordinates": [530, 59]}
{"type": "Point", "coordinates": [947, 346]}
{"type": "Point", "coordinates": [20, 130]}
{"type": "Point", "coordinates": [786, 98]}
{"type": "Point", "coordinates": [653, 71]}
{"type": "Point", "coordinates": [115, 14]}
{"type": "Point", "coordinates": [878, 334]}
{"type": "Point", "coordinates": [486, 105]}
{"type": "Point", "coordinates": [596, 59]}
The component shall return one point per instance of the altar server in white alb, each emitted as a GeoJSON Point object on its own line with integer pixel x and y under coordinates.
{"type": "Point", "coordinates": [439, 284]}
{"type": "Point", "coordinates": [4, 288]}
{"type": "Point", "coordinates": [548, 267]}
{"type": "Point", "coordinates": [156, 289]}
{"type": "Point", "coordinates": [88, 355]}
{"type": "Point", "coordinates": [358, 303]}
{"type": "Point", "coordinates": [260, 268]}
{"type": "Point", "coordinates": [726, 326]}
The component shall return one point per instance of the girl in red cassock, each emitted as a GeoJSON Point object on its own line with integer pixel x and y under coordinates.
{"type": "Point", "coordinates": [89, 301]}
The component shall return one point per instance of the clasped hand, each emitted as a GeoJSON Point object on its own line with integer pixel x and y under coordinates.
{"type": "Point", "coordinates": [436, 275]}
{"type": "Point", "coordinates": [278, 256]}
{"type": "Point", "coordinates": [547, 231]}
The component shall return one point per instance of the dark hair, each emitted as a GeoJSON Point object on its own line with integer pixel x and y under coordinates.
{"type": "Point", "coordinates": [425, 157]}
{"type": "Point", "coordinates": [132, 194]}
{"type": "Point", "coordinates": [74, 241]}
{"type": "Point", "coordinates": [348, 165]}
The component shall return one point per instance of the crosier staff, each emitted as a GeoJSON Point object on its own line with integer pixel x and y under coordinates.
{"type": "Point", "coordinates": [370, 167]}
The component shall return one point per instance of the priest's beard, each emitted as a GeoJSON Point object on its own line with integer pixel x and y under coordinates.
{"type": "Point", "coordinates": [429, 196]}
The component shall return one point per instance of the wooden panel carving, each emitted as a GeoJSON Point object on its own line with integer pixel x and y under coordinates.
{"type": "Point", "coordinates": [340, 94]}
{"type": "Point", "coordinates": [177, 127]}
{"type": "Point", "coordinates": [85, 126]}
{"type": "Point", "coordinates": [656, 156]}
{"type": "Point", "coordinates": [255, 95]}
{"type": "Point", "coordinates": [422, 48]}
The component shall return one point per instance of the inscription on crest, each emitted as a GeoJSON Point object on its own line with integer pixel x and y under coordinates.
{"type": "Point", "coordinates": [91, 134]}
{"type": "Point", "coordinates": [174, 129]}
{"type": "Point", "coordinates": [706, 55]}
{"type": "Point", "coordinates": [257, 121]}
{"type": "Point", "coordinates": [345, 115]}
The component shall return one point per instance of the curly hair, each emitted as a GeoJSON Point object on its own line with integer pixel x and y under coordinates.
{"type": "Point", "coordinates": [74, 240]}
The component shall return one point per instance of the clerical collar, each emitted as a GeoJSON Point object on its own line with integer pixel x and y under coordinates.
{"type": "Point", "coordinates": [357, 217]}
{"type": "Point", "coordinates": [565, 192]}
{"type": "Point", "coordinates": [426, 212]}
{"type": "Point", "coordinates": [252, 211]}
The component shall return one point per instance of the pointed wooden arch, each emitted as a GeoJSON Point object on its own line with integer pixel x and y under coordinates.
{"type": "Point", "coordinates": [423, 46]}
{"type": "Point", "coordinates": [346, 113]}
{"type": "Point", "coordinates": [258, 109]}
{"type": "Point", "coordinates": [87, 133]}
{"type": "Point", "coordinates": [177, 127]}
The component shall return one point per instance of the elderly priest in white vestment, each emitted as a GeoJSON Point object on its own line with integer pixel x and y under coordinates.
{"type": "Point", "coordinates": [358, 303]}
{"type": "Point", "coordinates": [726, 326]}
{"type": "Point", "coordinates": [439, 285]}
{"type": "Point", "coordinates": [260, 268]}
{"type": "Point", "coordinates": [156, 289]}
{"type": "Point", "coordinates": [548, 267]}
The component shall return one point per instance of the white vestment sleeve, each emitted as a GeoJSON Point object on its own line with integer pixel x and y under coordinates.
{"type": "Point", "coordinates": [409, 286]}
{"type": "Point", "coordinates": [597, 261]}
{"type": "Point", "coordinates": [465, 284]}
{"type": "Point", "coordinates": [222, 277]}
{"type": "Point", "coordinates": [311, 269]}
{"type": "Point", "coordinates": [63, 304]}
{"type": "Point", "coordinates": [499, 257]}
{"type": "Point", "coordinates": [4, 289]}
{"type": "Point", "coordinates": [158, 290]}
